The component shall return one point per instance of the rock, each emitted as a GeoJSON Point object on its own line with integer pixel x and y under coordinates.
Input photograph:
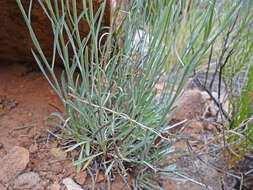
{"type": "Point", "coordinates": [13, 163]}
{"type": "Point", "coordinates": [30, 180]}
{"type": "Point", "coordinates": [205, 96]}
{"type": "Point", "coordinates": [70, 184]}
{"type": "Point", "coordinates": [80, 177]}
{"type": "Point", "coordinates": [190, 105]}
{"type": "Point", "coordinates": [55, 186]}
{"type": "Point", "coordinates": [15, 41]}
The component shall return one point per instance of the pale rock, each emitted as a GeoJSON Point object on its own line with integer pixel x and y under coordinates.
{"type": "Point", "coordinates": [70, 184]}
{"type": "Point", "coordinates": [13, 163]}
{"type": "Point", "coordinates": [205, 96]}
{"type": "Point", "coordinates": [30, 180]}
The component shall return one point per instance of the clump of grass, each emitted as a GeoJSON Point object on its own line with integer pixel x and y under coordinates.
{"type": "Point", "coordinates": [240, 80]}
{"type": "Point", "coordinates": [242, 121]}
{"type": "Point", "coordinates": [113, 117]}
{"type": "Point", "coordinates": [237, 73]}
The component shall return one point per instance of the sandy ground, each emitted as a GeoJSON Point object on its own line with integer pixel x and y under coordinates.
{"type": "Point", "coordinates": [27, 101]}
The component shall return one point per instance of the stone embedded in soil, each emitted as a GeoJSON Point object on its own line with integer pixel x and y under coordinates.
{"type": "Point", "coordinates": [190, 105]}
{"type": "Point", "coordinates": [30, 180]}
{"type": "Point", "coordinates": [80, 177]}
{"type": "Point", "coordinates": [70, 184]}
{"type": "Point", "coordinates": [13, 163]}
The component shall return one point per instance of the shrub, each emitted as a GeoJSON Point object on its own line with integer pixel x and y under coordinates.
{"type": "Point", "coordinates": [113, 116]}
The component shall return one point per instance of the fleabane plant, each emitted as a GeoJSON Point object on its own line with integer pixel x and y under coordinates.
{"type": "Point", "coordinates": [114, 118]}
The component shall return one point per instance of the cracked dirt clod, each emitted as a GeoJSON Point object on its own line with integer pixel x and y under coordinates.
{"type": "Point", "coordinates": [13, 163]}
